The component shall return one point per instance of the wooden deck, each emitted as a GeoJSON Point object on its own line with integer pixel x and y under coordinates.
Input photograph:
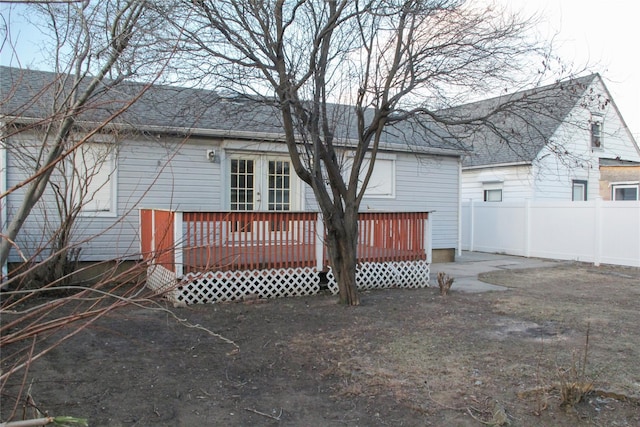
{"type": "Point", "coordinates": [191, 242]}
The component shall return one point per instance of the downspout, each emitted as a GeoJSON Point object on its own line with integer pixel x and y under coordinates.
{"type": "Point", "coordinates": [3, 202]}
{"type": "Point", "coordinates": [460, 206]}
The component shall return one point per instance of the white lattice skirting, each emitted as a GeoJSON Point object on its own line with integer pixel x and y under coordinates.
{"type": "Point", "coordinates": [162, 281]}
{"type": "Point", "coordinates": [233, 285]}
{"type": "Point", "coordinates": [218, 286]}
{"type": "Point", "coordinates": [394, 274]}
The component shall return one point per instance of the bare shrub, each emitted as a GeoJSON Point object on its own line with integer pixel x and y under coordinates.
{"type": "Point", "coordinates": [444, 282]}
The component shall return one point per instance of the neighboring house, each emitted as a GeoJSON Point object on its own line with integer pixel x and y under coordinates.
{"type": "Point", "coordinates": [573, 145]}
{"type": "Point", "coordinates": [549, 180]}
{"type": "Point", "coordinates": [619, 179]}
{"type": "Point", "coordinates": [193, 150]}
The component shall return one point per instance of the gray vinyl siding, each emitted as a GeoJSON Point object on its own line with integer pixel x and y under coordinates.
{"type": "Point", "coordinates": [423, 183]}
{"type": "Point", "coordinates": [167, 173]}
{"type": "Point", "coordinates": [150, 173]}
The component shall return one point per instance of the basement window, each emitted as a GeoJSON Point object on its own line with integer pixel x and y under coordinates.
{"type": "Point", "coordinates": [494, 195]}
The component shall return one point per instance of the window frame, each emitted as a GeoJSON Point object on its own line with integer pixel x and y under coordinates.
{"type": "Point", "coordinates": [596, 132]}
{"type": "Point", "coordinates": [375, 182]}
{"type": "Point", "coordinates": [487, 191]}
{"type": "Point", "coordinates": [584, 184]}
{"type": "Point", "coordinates": [615, 186]}
{"type": "Point", "coordinates": [112, 183]}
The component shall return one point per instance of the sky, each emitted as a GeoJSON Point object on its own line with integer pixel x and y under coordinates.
{"type": "Point", "coordinates": [600, 35]}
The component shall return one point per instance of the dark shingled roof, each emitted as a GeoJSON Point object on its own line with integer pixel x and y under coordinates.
{"type": "Point", "coordinates": [186, 110]}
{"type": "Point", "coordinates": [526, 119]}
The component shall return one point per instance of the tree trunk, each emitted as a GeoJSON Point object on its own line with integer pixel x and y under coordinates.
{"type": "Point", "coordinates": [342, 242]}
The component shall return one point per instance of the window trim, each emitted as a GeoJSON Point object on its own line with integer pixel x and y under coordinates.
{"type": "Point", "coordinates": [584, 184]}
{"type": "Point", "coordinates": [370, 192]}
{"type": "Point", "coordinates": [622, 185]}
{"type": "Point", "coordinates": [112, 184]}
{"type": "Point", "coordinates": [488, 191]}
{"type": "Point", "coordinates": [596, 140]}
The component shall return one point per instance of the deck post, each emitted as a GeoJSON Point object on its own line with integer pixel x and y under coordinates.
{"type": "Point", "coordinates": [428, 244]}
{"type": "Point", "coordinates": [177, 244]}
{"type": "Point", "coordinates": [153, 235]}
{"type": "Point", "coordinates": [319, 247]}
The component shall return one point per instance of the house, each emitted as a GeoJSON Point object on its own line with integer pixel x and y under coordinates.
{"type": "Point", "coordinates": [190, 152]}
{"type": "Point", "coordinates": [555, 179]}
{"type": "Point", "coordinates": [569, 143]}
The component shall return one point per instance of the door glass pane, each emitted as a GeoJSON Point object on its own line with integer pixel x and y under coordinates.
{"type": "Point", "coordinates": [279, 188]}
{"type": "Point", "coordinates": [242, 184]}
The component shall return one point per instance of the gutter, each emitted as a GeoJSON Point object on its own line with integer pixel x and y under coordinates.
{"type": "Point", "coordinates": [497, 165]}
{"type": "Point", "coordinates": [3, 202]}
{"type": "Point", "coordinates": [246, 135]}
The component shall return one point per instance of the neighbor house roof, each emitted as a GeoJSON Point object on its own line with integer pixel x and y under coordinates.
{"type": "Point", "coordinates": [521, 123]}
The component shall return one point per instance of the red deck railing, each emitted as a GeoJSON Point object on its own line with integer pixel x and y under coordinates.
{"type": "Point", "coordinates": [248, 240]}
{"type": "Point", "coordinates": [391, 236]}
{"type": "Point", "coordinates": [157, 236]}
{"type": "Point", "coordinates": [265, 240]}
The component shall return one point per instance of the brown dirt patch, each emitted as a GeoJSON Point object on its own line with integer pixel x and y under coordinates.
{"type": "Point", "coordinates": [404, 357]}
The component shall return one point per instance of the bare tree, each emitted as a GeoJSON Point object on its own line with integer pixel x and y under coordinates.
{"type": "Point", "coordinates": [95, 46]}
{"type": "Point", "coordinates": [346, 75]}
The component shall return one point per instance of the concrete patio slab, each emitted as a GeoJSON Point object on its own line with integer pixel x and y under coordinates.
{"type": "Point", "coordinates": [469, 265]}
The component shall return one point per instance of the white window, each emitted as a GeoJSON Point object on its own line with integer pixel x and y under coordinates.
{"type": "Point", "coordinates": [596, 132]}
{"type": "Point", "coordinates": [94, 178]}
{"type": "Point", "coordinates": [579, 190]}
{"type": "Point", "coordinates": [493, 195]}
{"type": "Point", "coordinates": [492, 188]}
{"type": "Point", "coordinates": [624, 191]}
{"type": "Point", "coordinates": [382, 183]}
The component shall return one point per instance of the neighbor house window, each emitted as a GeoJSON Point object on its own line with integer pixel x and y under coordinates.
{"type": "Point", "coordinates": [579, 191]}
{"type": "Point", "coordinates": [94, 178]}
{"type": "Point", "coordinates": [624, 192]}
{"type": "Point", "coordinates": [494, 195]}
{"type": "Point", "coordinates": [596, 133]}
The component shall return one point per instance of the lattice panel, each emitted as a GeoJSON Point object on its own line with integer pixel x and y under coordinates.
{"type": "Point", "coordinates": [232, 285]}
{"type": "Point", "coordinates": [394, 274]}
{"type": "Point", "coordinates": [159, 278]}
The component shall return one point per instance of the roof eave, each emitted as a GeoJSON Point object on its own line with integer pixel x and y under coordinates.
{"type": "Point", "coordinates": [497, 165]}
{"type": "Point", "coordinates": [244, 135]}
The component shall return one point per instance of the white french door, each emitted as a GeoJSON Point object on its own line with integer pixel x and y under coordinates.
{"type": "Point", "coordinates": [262, 183]}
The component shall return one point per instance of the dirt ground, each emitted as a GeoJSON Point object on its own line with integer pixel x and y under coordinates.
{"type": "Point", "coordinates": [402, 358]}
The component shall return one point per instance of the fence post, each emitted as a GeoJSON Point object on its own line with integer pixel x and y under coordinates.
{"type": "Point", "coordinates": [472, 221]}
{"type": "Point", "coordinates": [597, 256]}
{"type": "Point", "coordinates": [177, 244]}
{"type": "Point", "coordinates": [319, 247]}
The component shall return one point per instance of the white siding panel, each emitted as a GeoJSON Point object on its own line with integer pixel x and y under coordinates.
{"type": "Point", "coordinates": [515, 181]}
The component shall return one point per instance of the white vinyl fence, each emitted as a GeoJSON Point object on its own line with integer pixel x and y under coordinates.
{"type": "Point", "coordinates": [594, 231]}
